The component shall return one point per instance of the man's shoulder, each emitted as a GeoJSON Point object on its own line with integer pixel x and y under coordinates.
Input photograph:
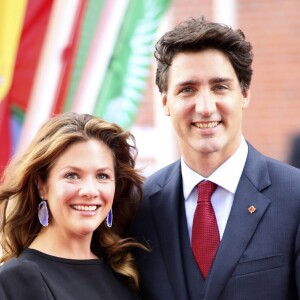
{"type": "Point", "coordinates": [283, 170]}
{"type": "Point", "coordinates": [280, 167]}
{"type": "Point", "coordinates": [163, 175]}
{"type": "Point", "coordinates": [274, 165]}
{"type": "Point", "coordinates": [262, 167]}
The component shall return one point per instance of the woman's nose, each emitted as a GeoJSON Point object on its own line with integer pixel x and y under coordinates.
{"type": "Point", "coordinates": [89, 189]}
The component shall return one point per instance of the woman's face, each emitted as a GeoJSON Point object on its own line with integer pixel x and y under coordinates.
{"type": "Point", "coordinates": [80, 188]}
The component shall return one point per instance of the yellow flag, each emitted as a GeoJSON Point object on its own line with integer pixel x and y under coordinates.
{"type": "Point", "coordinates": [12, 13]}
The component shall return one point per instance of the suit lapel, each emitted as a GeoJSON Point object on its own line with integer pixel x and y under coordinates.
{"type": "Point", "coordinates": [165, 210]}
{"type": "Point", "coordinates": [241, 224]}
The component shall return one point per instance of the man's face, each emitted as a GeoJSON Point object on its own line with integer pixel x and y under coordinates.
{"type": "Point", "coordinates": [205, 102]}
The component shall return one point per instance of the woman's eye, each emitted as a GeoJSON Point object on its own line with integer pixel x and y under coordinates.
{"type": "Point", "coordinates": [72, 176]}
{"type": "Point", "coordinates": [102, 176]}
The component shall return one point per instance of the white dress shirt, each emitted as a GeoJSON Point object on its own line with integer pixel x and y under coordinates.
{"type": "Point", "coordinates": [227, 177]}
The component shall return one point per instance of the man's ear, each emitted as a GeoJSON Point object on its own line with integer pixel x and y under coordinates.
{"type": "Point", "coordinates": [246, 99]}
{"type": "Point", "coordinates": [165, 106]}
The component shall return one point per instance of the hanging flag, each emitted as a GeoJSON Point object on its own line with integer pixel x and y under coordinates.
{"type": "Point", "coordinates": [125, 81]}
{"type": "Point", "coordinates": [84, 55]}
{"type": "Point", "coordinates": [68, 58]}
{"type": "Point", "coordinates": [11, 21]}
{"type": "Point", "coordinates": [88, 32]}
{"type": "Point", "coordinates": [50, 66]}
{"type": "Point", "coordinates": [34, 20]}
{"type": "Point", "coordinates": [31, 41]}
{"type": "Point", "coordinates": [105, 33]}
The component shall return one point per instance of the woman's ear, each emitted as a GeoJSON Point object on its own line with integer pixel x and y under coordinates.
{"type": "Point", "coordinates": [41, 186]}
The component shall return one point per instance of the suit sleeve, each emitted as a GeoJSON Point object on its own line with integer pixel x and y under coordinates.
{"type": "Point", "coordinates": [21, 280]}
{"type": "Point", "coordinates": [297, 262]}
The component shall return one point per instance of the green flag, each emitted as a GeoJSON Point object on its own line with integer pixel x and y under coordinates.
{"type": "Point", "coordinates": [124, 84]}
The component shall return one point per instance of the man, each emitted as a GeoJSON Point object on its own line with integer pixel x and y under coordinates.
{"type": "Point", "coordinates": [204, 74]}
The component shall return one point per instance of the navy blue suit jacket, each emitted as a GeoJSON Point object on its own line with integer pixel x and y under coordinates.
{"type": "Point", "coordinates": [259, 255]}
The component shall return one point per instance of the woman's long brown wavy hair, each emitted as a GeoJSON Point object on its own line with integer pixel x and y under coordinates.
{"type": "Point", "coordinates": [19, 197]}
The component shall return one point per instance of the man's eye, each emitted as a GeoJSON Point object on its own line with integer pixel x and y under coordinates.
{"type": "Point", "coordinates": [72, 176]}
{"type": "Point", "coordinates": [186, 90]}
{"type": "Point", "coordinates": [220, 87]}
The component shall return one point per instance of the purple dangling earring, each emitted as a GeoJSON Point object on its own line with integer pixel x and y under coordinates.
{"type": "Point", "coordinates": [43, 213]}
{"type": "Point", "coordinates": [109, 218]}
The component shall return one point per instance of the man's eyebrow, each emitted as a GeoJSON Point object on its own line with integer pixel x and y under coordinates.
{"type": "Point", "coordinates": [187, 82]}
{"type": "Point", "coordinates": [211, 81]}
{"type": "Point", "coordinates": [220, 80]}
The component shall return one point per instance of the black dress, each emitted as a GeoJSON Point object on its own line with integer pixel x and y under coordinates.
{"type": "Point", "coordinates": [37, 276]}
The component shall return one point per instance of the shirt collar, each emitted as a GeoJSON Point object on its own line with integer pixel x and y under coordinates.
{"type": "Point", "coordinates": [234, 166]}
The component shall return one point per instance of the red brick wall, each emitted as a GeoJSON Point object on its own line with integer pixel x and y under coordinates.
{"type": "Point", "coordinates": [273, 27]}
{"type": "Point", "coordinates": [273, 116]}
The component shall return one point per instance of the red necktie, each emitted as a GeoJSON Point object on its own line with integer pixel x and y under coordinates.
{"type": "Point", "coordinates": [205, 232]}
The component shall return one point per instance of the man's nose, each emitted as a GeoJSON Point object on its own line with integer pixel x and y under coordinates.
{"type": "Point", "coordinates": [205, 103]}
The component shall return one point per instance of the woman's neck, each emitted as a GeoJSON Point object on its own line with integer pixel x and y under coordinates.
{"type": "Point", "coordinates": [64, 246]}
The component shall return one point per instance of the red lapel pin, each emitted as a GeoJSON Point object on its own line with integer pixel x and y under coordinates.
{"type": "Point", "coordinates": [251, 209]}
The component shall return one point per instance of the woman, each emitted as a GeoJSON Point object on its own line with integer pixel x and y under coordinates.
{"type": "Point", "coordinates": [66, 204]}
